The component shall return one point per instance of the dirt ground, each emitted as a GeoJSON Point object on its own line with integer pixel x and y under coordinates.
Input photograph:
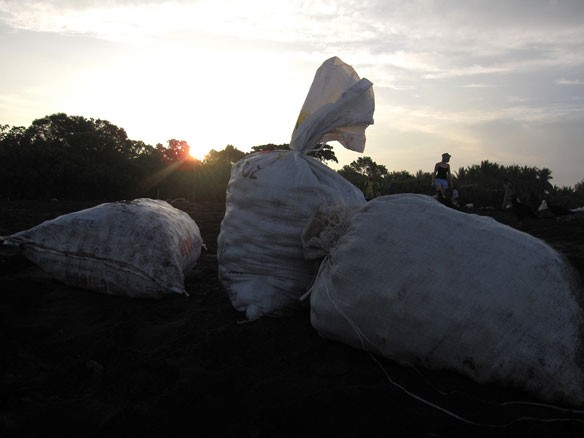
{"type": "Point", "coordinates": [82, 364]}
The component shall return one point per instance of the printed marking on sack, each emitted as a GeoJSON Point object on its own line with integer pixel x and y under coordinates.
{"type": "Point", "coordinates": [246, 172]}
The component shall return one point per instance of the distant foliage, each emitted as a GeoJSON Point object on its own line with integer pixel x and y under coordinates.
{"type": "Point", "coordinates": [359, 170]}
{"type": "Point", "coordinates": [323, 152]}
{"type": "Point", "coordinates": [68, 157]}
{"type": "Point", "coordinates": [72, 157]}
{"type": "Point", "coordinates": [483, 184]}
{"type": "Point", "coordinates": [479, 184]}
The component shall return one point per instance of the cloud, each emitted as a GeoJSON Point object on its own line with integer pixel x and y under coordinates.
{"type": "Point", "coordinates": [563, 81]}
{"type": "Point", "coordinates": [287, 21]}
{"type": "Point", "coordinates": [440, 68]}
{"type": "Point", "coordinates": [477, 86]}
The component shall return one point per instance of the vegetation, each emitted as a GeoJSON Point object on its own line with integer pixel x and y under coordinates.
{"type": "Point", "coordinates": [72, 157]}
{"type": "Point", "coordinates": [479, 184]}
{"type": "Point", "coordinates": [324, 153]}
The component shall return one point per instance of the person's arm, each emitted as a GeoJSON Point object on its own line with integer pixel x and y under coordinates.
{"type": "Point", "coordinates": [450, 179]}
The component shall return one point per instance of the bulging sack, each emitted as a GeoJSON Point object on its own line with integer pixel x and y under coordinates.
{"type": "Point", "coordinates": [140, 249]}
{"type": "Point", "coordinates": [423, 284]}
{"type": "Point", "coordinates": [271, 195]}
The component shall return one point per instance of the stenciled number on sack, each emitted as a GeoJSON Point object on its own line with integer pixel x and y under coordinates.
{"type": "Point", "coordinates": [248, 170]}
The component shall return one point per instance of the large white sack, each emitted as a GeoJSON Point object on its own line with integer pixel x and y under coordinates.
{"type": "Point", "coordinates": [271, 195]}
{"type": "Point", "coordinates": [140, 248]}
{"type": "Point", "coordinates": [426, 285]}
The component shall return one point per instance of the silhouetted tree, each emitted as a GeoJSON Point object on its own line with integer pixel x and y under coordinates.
{"type": "Point", "coordinates": [72, 157]}
{"type": "Point", "coordinates": [359, 170]}
{"type": "Point", "coordinates": [217, 171]}
{"type": "Point", "coordinates": [324, 154]}
{"type": "Point", "coordinates": [175, 151]}
{"type": "Point", "coordinates": [400, 182]}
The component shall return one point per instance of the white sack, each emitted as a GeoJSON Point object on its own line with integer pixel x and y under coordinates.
{"type": "Point", "coordinates": [423, 284]}
{"type": "Point", "coordinates": [271, 195]}
{"type": "Point", "coordinates": [140, 249]}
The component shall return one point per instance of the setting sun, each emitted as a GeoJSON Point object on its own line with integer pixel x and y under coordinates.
{"type": "Point", "coordinates": [196, 154]}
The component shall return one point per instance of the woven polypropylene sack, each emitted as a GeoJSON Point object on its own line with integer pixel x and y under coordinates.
{"type": "Point", "coordinates": [270, 196]}
{"type": "Point", "coordinates": [423, 284]}
{"type": "Point", "coordinates": [141, 248]}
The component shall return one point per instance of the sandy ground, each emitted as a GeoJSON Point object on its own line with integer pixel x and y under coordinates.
{"type": "Point", "coordinates": [78, 363]}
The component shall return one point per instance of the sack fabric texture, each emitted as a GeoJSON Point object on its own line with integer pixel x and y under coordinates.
{"type": "Point", "coordinates": [425, 285]}
{"type": "Point", "coordinates": [271, 195]}
{"type": "Point", "coordinates": [140, 248]}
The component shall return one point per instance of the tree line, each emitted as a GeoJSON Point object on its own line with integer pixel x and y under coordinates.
{"type": "Point", "coordinates": [77, 158]}
{"type": "Point", "coordinates": [479, 184]}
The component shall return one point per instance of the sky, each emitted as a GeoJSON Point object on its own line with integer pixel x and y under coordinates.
{"type": "Point", "coordinates": [496, 80]}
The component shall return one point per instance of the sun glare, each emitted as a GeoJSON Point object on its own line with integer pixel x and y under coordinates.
{"type": "Point", "coordinates": [196, 154]}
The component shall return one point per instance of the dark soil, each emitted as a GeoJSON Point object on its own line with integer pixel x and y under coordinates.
{"type": "Point", "coordinates": [75, 363]}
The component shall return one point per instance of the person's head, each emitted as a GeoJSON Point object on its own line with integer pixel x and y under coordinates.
{"type": "Point", "coordinates": [445, 157]}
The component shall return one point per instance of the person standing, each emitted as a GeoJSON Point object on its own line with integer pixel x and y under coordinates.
{"type": "Point", "coordinates": [507, 203]}
{"type": "Point", "coordinates": [441, 177]}
{"type": "Point", "coordinates": [369, 188]}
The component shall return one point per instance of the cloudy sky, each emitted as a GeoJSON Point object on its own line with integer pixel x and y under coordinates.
{"type": "Point", "coordinates": [497, 80]}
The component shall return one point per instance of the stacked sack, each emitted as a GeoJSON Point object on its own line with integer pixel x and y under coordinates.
{"type": "Point", "coordinates": [271, 195]}
{"type": "Point", "coordinates": [422, 284]}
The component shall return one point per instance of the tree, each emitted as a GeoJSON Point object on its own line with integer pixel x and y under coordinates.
{"type": "Point", "coordinates": [359, 170]}
{"type": "Point", "coordinates": [176, 151]}
{"type": "Point", "coordinates": [171, 175]}
{"type": "Point", "coordinates": [353, 176]}
{"type": "Point", "coordinates": [271, 147]}
{"type": "Point", "coordinates": [483, 184]}
{"type": "Point", "coordinates": [69, 157]}
{"type": "Point", "coordinates": [73, 157]}
{"type": "Point", "coordinates": [76, 134]}
{"type": "Point", "coordinates": [324, 153]}
{"type": "Point", "coordinates": [225, 157]}
{"type": "Point", "coordinates": [11, 134]}
{"type": "Point", "coordinates": [366, 166]}
{"type": "Point", "coordinates": [400, 182]}
{"type": "Point", "coordinates": [14, 162]}
{"type": "Point", "coordinates": [215, 173]}
{"type": "Point", "coordinates": [543, 180]}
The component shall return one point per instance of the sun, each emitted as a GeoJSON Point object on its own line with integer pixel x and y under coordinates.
{"type": "Point", "coordinates": [196, 154]}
